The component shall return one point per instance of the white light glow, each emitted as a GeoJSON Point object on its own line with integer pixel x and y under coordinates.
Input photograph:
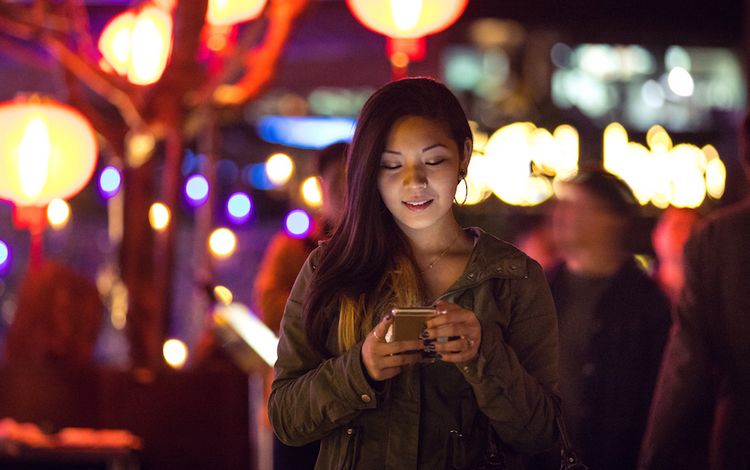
{"type": "Point", "coordinates": [252, 331]}
{"type": "Point", "coordinates": [175, 353]}
{"type": "Point", "coordinates": [34, 152]}
{"type": "Point", "coordinates": [58, 213]}
{"type": "Point", "coordinates": [279, 169]}
{"type": "Point", "coordinates": [681, 82]}
{"type": "Point", "coordinates": [159, 216]}
{"type": "Point", "coordinates": [222, 242]}
{"type": "Point", "coordinates": [311, 192]}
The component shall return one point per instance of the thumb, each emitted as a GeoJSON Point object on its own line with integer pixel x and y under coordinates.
{"type": "Point", "coordinates": [381, 329]}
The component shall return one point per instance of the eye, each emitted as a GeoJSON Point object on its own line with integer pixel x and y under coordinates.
{"type": "Point", "coordinates": [435, 162]}
{"type": "Point", "coordinates": [390, 166]}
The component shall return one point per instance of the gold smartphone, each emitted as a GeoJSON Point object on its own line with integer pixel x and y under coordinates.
{"type": "Point", "coordinates": [409, 322]}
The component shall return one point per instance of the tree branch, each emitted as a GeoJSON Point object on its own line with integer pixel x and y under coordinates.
{"type": "Point", "coordinates": [261, 62]}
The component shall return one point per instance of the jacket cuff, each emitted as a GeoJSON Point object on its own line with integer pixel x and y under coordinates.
{"type": "Point", "coordinates": [363, 396]}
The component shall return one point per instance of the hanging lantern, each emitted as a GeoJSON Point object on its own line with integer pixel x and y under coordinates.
{"type": "Point", "coordinates": [231, 12]}
{"type": "Point", "coordinates": [407, 18]}
{"type": "Point", "coordinates": [138, 44]}
{"type": "Point", "coordinates": [47, 151]}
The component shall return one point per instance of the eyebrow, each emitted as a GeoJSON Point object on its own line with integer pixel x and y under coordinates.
{"type": "Point", "coordinates": [429, 147]}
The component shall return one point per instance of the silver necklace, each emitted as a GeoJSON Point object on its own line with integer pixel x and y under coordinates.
{"type": "Point", "coordinates": [434, 262]}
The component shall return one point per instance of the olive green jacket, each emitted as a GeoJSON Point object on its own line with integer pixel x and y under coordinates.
{"type": "Point", "coordinates": [430, 416]}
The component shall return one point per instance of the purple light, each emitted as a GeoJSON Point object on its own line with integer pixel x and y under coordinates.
{"type": "Point", "coordinates": [239, 207]}
{"type": "Point", "coordinates": [4, 258]}
{"type": "Point", "coordinates": [298, 223]}
{"type": "Point", "coordinates": [109, 182]}
{"type": "Point", "coordinates": [196, 190]}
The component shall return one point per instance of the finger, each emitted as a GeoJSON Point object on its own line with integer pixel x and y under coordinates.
{"type": "Point", "coordinates": [457, 345]}
{"type": "Point", "coordinates": [382, 328]}
{"type": "Point", "coordinates": [464, 344]}
{"type": "Point", "coordinates": [451, 315]}
{"type": "Point", "coordinates": [457, 356]}
{"type": "Point", "coordinates": [446, 331]}
{"type": "Point", "coordinates": [397, 347]}
{"type": "Point", "coordinates": [400, 360]}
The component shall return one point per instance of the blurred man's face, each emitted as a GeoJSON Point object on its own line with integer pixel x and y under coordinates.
{"type": "Point", "coordinates": [582, 221]}
{"type": "Point", "coordinates": [332, 185]}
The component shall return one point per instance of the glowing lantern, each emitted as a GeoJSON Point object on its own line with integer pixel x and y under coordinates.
{"type": "Point", "coordinates": [406, 23]}
{"type": "Point", "coordinates": [138, 45]}
{"type": "Point", "coordinates": [47, 151]}
{"type": "Point", "coordinates": [230, 12]}
{"type": "Point", "coordinates": [407, 18]}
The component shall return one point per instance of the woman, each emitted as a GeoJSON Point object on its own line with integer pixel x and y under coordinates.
{"type": "Point", "coordinates": [374, 404]}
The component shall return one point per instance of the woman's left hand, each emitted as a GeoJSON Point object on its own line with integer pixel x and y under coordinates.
{"type": "Point", "coordinates": [455, 322]}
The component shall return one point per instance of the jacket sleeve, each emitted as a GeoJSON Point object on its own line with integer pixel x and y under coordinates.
{"type": "Point", "coordinates": [515, 375]}
{"type": "Point", "coordinates": [311, 396]}
{"type": "Point", "coordinates": [686, 365]}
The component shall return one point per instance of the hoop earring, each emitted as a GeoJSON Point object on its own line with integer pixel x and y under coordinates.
{"type": "Point", "coordinates": [462, 177]}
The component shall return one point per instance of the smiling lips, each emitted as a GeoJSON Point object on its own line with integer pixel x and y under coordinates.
{"type": "Point", "coordinates": [417, 206]}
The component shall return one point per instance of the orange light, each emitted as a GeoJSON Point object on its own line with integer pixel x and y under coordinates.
{"type": "Point", "coordinates": [407, 18]}
{"type": "Point", "coordinates": [229, 12]}
{"type": "Point", "coordinates": [138, 45]}
{"type": "Point", "coordinates": [47, 151]}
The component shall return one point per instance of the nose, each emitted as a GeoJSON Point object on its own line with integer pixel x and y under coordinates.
{"type": "Point", "coordinates": [415, 177]}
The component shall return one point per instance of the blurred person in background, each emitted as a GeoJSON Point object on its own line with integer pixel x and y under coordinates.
{"type": "Point", "coordinates": [285, 254]}
{"type": "Point", "coordinates": [535, 239]}
{"type": "Point", "coordinates": [57, 320]}
{"type": "Point", "coordinates": [708, 345]}
{"type": "Point", "coordinates": [613, 320]}
{"type": "Point", "coordinates": [668, 239]}
{"type": "Point", "coordinates": [282, 261]}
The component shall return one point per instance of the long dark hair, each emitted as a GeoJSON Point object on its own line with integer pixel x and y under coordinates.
{"type": "Point", "coordinates": [367, 240]}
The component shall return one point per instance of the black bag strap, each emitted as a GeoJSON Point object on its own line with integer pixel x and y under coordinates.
{"type": "Point", "coordinates": [568, 458]}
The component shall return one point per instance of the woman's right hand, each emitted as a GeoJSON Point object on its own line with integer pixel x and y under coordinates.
{"type": "Point", "coordinates": [384, 360]}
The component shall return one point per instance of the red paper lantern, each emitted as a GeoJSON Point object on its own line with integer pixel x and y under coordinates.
{"type": "Point", "coordinates": [138, 44]}
{"type": "Point", "coordinates": [230, 12]}
{"type": "Point", "coordinates": [47, 150]}
{"type": "Point", "coordinates": [407, 18]}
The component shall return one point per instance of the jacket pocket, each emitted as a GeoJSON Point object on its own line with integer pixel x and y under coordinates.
{"type": "Point", "coordinates": [351, 438]}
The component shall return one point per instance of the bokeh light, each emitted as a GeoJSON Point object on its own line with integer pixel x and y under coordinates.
{"type": "Point", "coordinates": [222, 242]}
{"type": "Point", "coordinates": [256, 176]}
{"type": "Point", "coordinates": [223, 295]}
{"type": "Point", "coordinates": [311, 192]}
{"type": "Point", "coordinates": [58, 213]}
{"type": "Point", "coordinates": [109, 181]}
{"type": "Point", "coordinates": [175, 353]}
{"type": "Point", "coordinates": [298, 223]}
{"type": "Point", "coordinates": [279, 168]}
{"type": "Point", "coordinates": [196, 190]}
{"type": "Point", "coordinates": [681, 82]}
{"type": "Point", "coordinates": [239, 207]}
{"type": "Point", "coordinates": [4, 257]}
{"type": "Point", "coordinates": [158, 216]}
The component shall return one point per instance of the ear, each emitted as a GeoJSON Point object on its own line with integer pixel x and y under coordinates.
{"type": "Point", "coordinates": [466, 155]}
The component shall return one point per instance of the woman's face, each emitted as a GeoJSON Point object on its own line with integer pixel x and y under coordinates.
{"type": "Point", "coordinates": [419, 172]}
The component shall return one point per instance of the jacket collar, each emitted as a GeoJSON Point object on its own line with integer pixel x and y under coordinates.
{"type": "Point", "coordinates": [491, 258]}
